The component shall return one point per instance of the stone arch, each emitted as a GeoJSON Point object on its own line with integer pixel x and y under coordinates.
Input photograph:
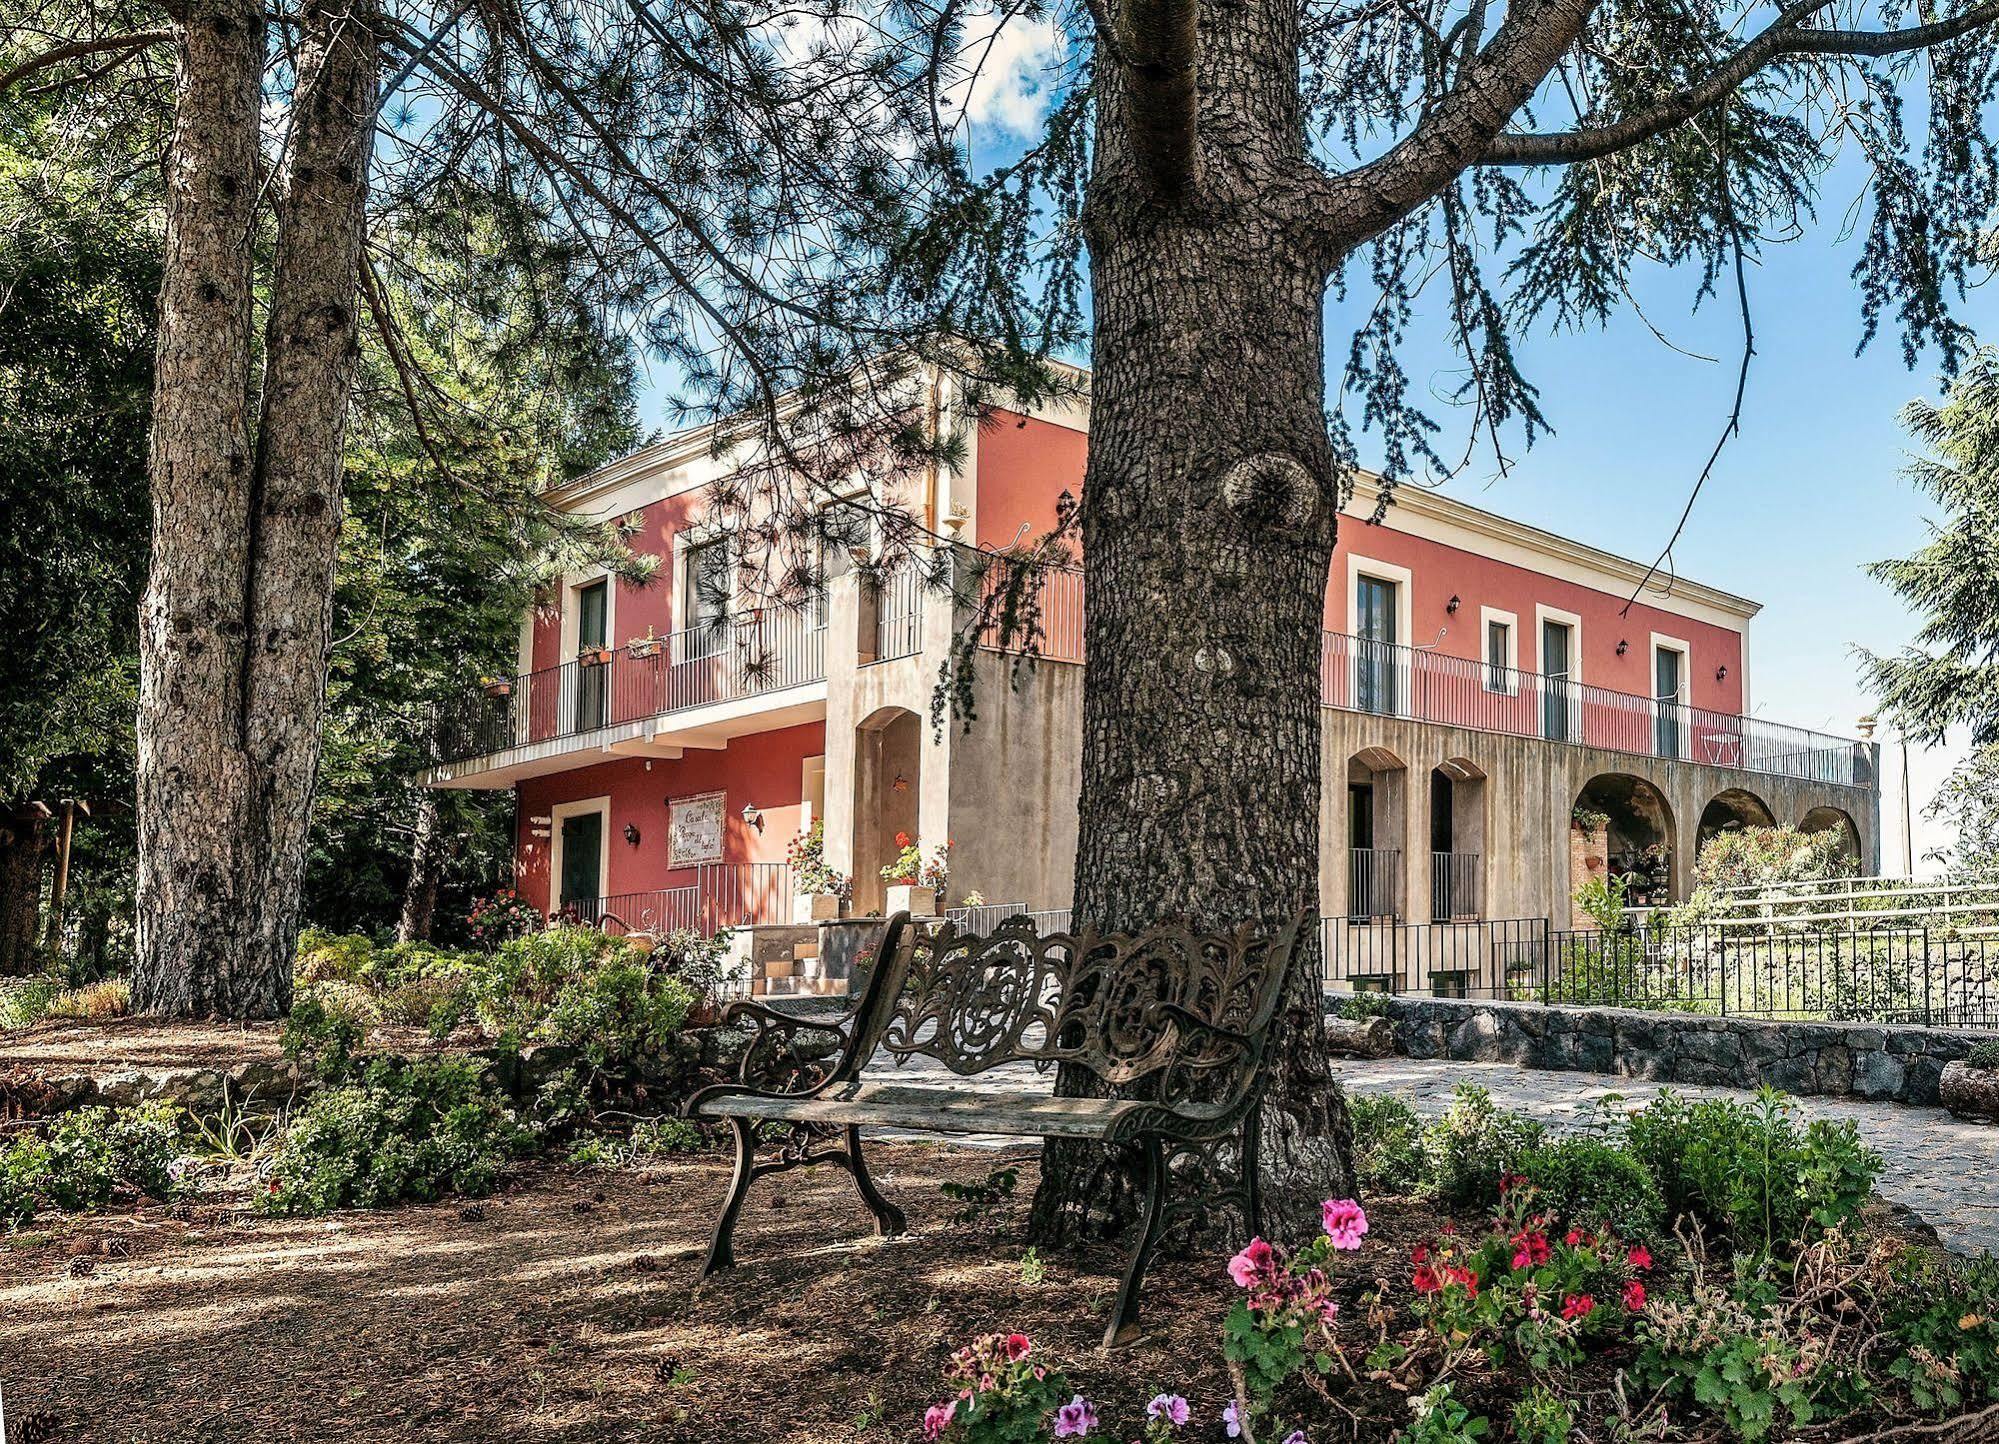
{"type": "Point", "coordinates": [1835, 819]}
{"type": "Point", "coordinates": [1457, 832]}
{"type": "Point", "coordinates": [1731, 810]}
{"type": "Point", "coordinates": [1635, 839]}
{"type": "Point", "coordinates": [888, 775]}
{"type": "Point", "coordinates": [1377, 824]}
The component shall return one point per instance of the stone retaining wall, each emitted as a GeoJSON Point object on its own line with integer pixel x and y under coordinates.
{"type": "Point", "coordinates": [1856, 1060]}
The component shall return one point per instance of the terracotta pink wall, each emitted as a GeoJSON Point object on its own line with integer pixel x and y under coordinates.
{"type": "Point", "coordinates": [634, 607]}
{"type": "Point", "coordinates": [1024, 465]}
{"type": "Point", "coordinates": [765, 768]}
{"type": "Point", "coordinates": [1439, 572]}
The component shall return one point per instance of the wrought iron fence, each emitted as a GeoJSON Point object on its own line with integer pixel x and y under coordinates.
{"type": "Point", "coordinates": [1374, 882]}
{"type": "Point", "coordinates": [1491, 958]}
{"type": "Point", "coordinates": [1053, 611]}
{"type": "Point", "coordinates": [765, 651]}
{"type": "Point", "coordinates": [722, 895]}
{"type": "Point", "coordinates": [1454, 885]}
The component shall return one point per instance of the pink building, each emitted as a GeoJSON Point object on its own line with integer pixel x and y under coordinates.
{"type": "Point", "coordinates": [1497, 725]}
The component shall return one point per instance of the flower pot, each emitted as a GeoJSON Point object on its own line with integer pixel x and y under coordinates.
{"type": "Point", "coordinates": [1969, 1092]}
{"type": "Point", "coordinates": [499, 689]}
{"type": "Point", "coordinates": [920, 902]}
{"type": "Point", "coordinates": [596, 656]}
{"type": "Point", "coordinates": [817, 907]}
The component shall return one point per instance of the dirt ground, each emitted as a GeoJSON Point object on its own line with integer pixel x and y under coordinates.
{"type": "Point", "coordinates": [98, 1047]}
{"type": "Point", "coordinates": [566, 1308]}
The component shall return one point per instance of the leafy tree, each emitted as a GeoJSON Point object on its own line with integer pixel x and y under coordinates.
{"type": "Point", "coordinates": [1969, 802]}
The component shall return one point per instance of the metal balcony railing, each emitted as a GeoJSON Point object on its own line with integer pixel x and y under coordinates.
{"type": "Point", "coordinates": [1374, 883]}
{"type": "Point", "coordinates": [1454, 885]}
{"type": "Point", "coordinates": [1361, 675]}
{"type": "Point", "coordinates": [898, 607]}
{"type": "Point", "coordinates": [722, 895]}
{"type": "Point", "coordinates": [739, 657]}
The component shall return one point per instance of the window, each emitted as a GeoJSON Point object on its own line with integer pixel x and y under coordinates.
{"type": "Point", "coordinates": [1669, 669]}
{"type": "Point", "coordinates": [1374, 623]}
{"type": "Point", "coordinates": [705, 594]}
{"type": "Point", "coordinates": [593, 693]}
{"type": "Point", "coordinates": [1558, 688]}
{"type": "Point", "coordinates": [842, 526]}
{"type": "Point", "coordinates": [1498, 656]}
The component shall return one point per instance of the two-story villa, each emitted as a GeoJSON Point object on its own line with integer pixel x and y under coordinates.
{"type": "Point", "coordinates": [1501, 720]}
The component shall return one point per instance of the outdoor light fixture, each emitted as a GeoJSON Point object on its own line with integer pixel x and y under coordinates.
{"type": "Point", "coordinates": [1623, 647]}
{"type": "Point", "coordinates": [753, 816]}
{"type": "Point", "coordinates": [1452, 606]}
{"type": "Point", "coordinates": [1721, 672]}
{"type": "Point", "coordinates": [632, 833]}
{"type": "Point", "coordinates": [901, 784]}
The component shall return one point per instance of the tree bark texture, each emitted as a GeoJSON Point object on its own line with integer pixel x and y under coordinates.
{"type": "Point", "coordinates": [1208, 516]}
{"type": "Point", "coordinates": [23, 851]}
{"type": "Point", "coordinates": [419, 913]}
{"type": "Point", "coordinates": [236, 620]}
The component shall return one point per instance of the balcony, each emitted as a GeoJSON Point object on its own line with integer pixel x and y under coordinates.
{"type": "Point", "coordinates": [1359, 675]}
{"type": "Point", "coordinates": [623, 689]}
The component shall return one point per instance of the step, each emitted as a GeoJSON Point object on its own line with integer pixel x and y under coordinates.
{"type": "Point", "coordinates": [780, 968]}
{"type": "Point", "coordinates": [805, 950]}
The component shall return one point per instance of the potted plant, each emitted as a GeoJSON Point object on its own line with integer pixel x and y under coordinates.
{"type": "Point", "coordinates": [497, 686]}
{"type": "Point", "coordinates": [916, 883]}
{"type": "Point", "coordinates": [646, 646]}
{"type": "Point", "coordinates": [823, 891]}
{"type": "Point", "coordinates": [594, 656]}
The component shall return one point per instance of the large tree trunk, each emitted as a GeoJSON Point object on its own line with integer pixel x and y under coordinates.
{"type": "Point", "coordinates": [426, 872]}
{"type": "Point", "coordinates": [1208, 516]}
{"type": "Point", "coordinates": [195, 857]}
{"type": "Point", "coordinates": [23, 848]}
{"type": "Point", "coordinates": [238, 606]}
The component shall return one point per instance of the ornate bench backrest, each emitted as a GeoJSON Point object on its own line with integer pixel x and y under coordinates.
{"type": "Point", "coordinates": [1189, 1007]}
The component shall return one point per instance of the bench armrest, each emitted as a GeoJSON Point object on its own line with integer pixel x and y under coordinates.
{"type": "Point", "coordinates": [764, 1070]}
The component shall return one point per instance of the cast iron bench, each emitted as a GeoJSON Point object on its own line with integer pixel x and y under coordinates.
{"type": "Point", "coordinates": [1172, 1023]}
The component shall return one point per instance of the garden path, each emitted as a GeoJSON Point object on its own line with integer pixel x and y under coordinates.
{"type": "Point", "coordinates": [1944, 1170]}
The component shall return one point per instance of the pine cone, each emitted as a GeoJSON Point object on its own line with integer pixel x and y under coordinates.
{"type": "Point", "coordinates": [472, 1213]}
{"type": "Point", "coordinates": [665, 1369]}
{"type": "Point", "coordinates": [34, 1429]}
{"type": "Point", "coordinates": [180, 1211]}
{"type": "Point", "coordinates": [115, 1247]}
{"type": "Point", "coordinates": [82, 1266]}
{"type": "Point", "coordinates": [645, 1263]}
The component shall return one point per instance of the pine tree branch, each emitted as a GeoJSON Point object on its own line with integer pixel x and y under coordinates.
{"type": "Point", "coordinates": [77, 49]}
{"type": "Point", "coordinates": [1784, 38]}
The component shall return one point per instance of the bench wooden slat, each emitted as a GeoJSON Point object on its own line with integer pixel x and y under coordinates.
{"type": "Point", "coordinates": [950, 1110]}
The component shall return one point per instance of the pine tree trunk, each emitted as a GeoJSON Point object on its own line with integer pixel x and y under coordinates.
{"type": "Point", "coordinates": [238, 607]}
{"type": "Point", "coordinates": [311, 350]}
{"type": "Point", "coordinates": [195, 855]}
{"type": "Point", "coordinates": [23, 848]}
{"type": "Point", "coordinates": [1208, 516]}
{"type": "Point", "coordinates": [426, 871]}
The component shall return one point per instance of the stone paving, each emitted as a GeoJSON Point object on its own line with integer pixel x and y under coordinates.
{"type": "Point", "coordinates": [1944, 1170]}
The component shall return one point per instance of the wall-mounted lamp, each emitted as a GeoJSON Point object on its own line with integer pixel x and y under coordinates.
{"type": "Point", "coordinates": [753, 816]}
{"type": "Point", "coordinates": [1452, 606]}
{"type": "Point", "coordinates": [1623, 647]}
{"type": "Point", "coordinates": [901, 784]}
{"type": "Point", "coordinates": [632, 833]}
{"type": "Point", "coordinates": [1721, 672]}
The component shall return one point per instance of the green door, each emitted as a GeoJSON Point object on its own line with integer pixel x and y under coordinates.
{"type": "Point", "coordinates": [582, 851]}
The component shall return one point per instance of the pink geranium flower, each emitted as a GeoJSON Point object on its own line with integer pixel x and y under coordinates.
{"type": "Point", "coordinates": [1256, 1259]}
{"type": "Point", "coordinates": [1345, 1221]}
{"type": "Point", "coordinates": [1170, 1407]}
{"type": "Point", "coordinates": [1018, 1347]}
{"type": "Point", "coordinates": [937, 1418]}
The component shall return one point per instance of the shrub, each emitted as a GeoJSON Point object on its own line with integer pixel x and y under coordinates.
{"type": "Point", "coordinates": [325, 957]}
{"type": "Point", "coordinates": [1983, 1055]}
{"type": "Point", "coordinates": [405, 1129]}
{"type": "Point", "coordinates": [1730, 1353]}
{"type": "Point", "coordinates": [649, 1138]}
{"type": "Point", "coordinates": [86, 1156]}
{"type": "Point", "coordinates": [1359, 1006]}
{"type": "Point", "coordinates": [1590, 1183]}
{"type": "Point", "coordinates": [1943, 1314]}
{"type": "Point", "coordinates": [1541, 1417]}
{"type": "Point", "coordinates": [325, 1027]}
{"type": "Point", "coordinates": [579, 988]}
{"type": "Point", "coordinates": [26, 1001]}
{"type": "Point", "coordinates": [1387, 1143]}
{"type": "Point", "coordinates": [1762, 856]}
{"type": "Point", "coordinates": [1747, 1170]}
{"type": "Point", "coordinates": [1473, 1146]}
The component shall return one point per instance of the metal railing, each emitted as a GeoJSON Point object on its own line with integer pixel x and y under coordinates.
{"type": "Point", "coordinates": [898, 607]}
{"type": "Point", "coordinates": [722, 895]}
{"type": "Point", "coordinates": [1454, 885]}
{"type": "Point", "coordinates": [1047, 619]}
{"type": "Point", "coordinates": [740, 657]}
{"type": "Point", "coordinates": [1374, 882]}
{"type": "Point", "coordinates": [1496, 957]}
{"type": "Point", "coordinates": [1360, 675]}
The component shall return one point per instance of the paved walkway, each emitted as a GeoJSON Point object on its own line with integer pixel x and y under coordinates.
{"type": "Point", "coordinates": [1947, 1172]}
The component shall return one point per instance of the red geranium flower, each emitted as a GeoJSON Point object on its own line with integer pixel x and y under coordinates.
{"type": "Point", "coordinates": [1634, 1295]}
{"type": "Point", "coordinates": [1578, 1306]}
{"type": "Point", "coordinates": [1639, 1258]}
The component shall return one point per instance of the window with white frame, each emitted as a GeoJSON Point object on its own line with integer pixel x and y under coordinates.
{"type": "Point", "coordinates": [1502, 651]}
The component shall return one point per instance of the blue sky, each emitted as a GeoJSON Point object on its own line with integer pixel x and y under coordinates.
{"type": "Point", "coordinates": [1807, 494]}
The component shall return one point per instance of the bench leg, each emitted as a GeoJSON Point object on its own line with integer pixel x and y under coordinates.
{"type": "Point", "coordinates": [1123, 1327]}
{"type": "Point", "coordinates": [1251, 1156]}
{"type": "Point", "coordinates": [889, 1219]}
{"type": "Point", "coordinates": [721, 1249]}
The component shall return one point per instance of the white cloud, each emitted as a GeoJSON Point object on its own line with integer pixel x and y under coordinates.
{"type": "Point", "coordinates": [1011, 74]}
